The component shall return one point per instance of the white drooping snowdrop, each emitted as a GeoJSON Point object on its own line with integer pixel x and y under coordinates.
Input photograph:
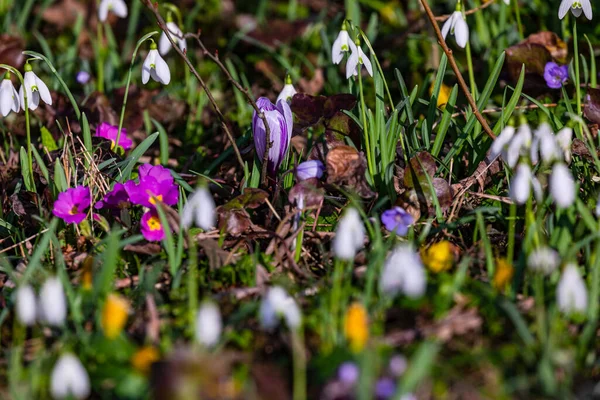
{"type": "Point", "coordinates": [501, 142]}
{"type": "Point", "coordinates": [155, 67]}
{"type": "Point", "coordinates": [341, 45]}
{"type": "Point", "coordinates": [164, 45]}
{"type": "Point", "coordinates": [562, 185]}
{"type": "Point", "coordinates": [118, 7]}
{"type": "Point", "coordinates": [69, 379]}
{"type": "Point", "coordinates": [518, 146]}
{"type": "Point", "coordinates": [25, 306]}
{"type": "Point", "coordinates": [288, 90]}
{"type": "Point", "coordinates": [521, 184]}
{"type": "Point", "coordinates": [199, 210]}
{"type": "Point", "coordinates": [545, 145]}
{"type": "Point", "coordinates": [457, 26]}
{"type": "Point", "coordinates": [403, 272]}
{"type": "Point", "coordinates": [9, 98]}
{"type": "Point", "coordinates": [35, 89]}
{"type": "Point", "coordinates": [357, 59]}
{"type": "Point", "coordinates": [349, 235]}
{"type": "Point", "coordinates": [564, 140]}
{"type": "Point", "coordinates": [544, 260]}
{"type": "Point", "coordinates": [571, 292]}
{"type": "Point", "coordinates": [52, 302]}
{"type": "Point", "coordinates": [208, 324]}
{"type": "Point", "coordinates": [276, 304]}
{"type": "Point", "coordinates": [576, 7]}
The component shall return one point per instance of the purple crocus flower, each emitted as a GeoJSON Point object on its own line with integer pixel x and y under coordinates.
{"type": "Point", "coordinates": [280, 120]}
{"type": "Point", "coordinates": [116, 198]}
{"type": "Point", "coordinates": [348, 373]}
{"type": "Point", "coordinates": [110, 132]}
{"type": "Point", "coordinates": [83, 77]}
{"type": "Point", "coordinates": [309, 169]}
{"type": "Point", "coordinates": [385, 388]}
{"type": "Point", "coordinates": [397, 220]}
{"type": "Point", "coordinates": [556, 75]}
{"type": "Point", "coordinates": [156, 185]}
{"type": "Point", "coordinates": [152, 228]}
{"type": "Point", "coordinates": [71, 204]}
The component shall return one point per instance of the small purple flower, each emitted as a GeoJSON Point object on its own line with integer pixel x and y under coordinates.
{"type": "Point", "coordinates": [110, 132]}
{"type": "Point", "coordinates": [160, 173]}
{"type": "Point", "coordinates": [280, 120]}
{"type": "Point", "coordinates": [71, 204]}
{"type": "Point", "coordinates": [397, 220]}
{"type": "Point", "coordinates": [83, 77]}
{"type": "Point", "coordinates": [156, 185]}
{"type": "Point", "coordinates": [348, 373]}
{"type": "Point", "coordinates": [385, 388]}
{"type": "Point", "coordinates": [309, 169]}
{"type": "Point", "coordinates": [556, 75]}
{"type": "Point", "coordinates": [116, 198]}
{"type": "Point", "coordinates": [398, 365]}
{"type": "Point", "coordinates": [152, 228]}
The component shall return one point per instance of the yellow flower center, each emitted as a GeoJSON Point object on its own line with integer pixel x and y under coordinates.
{"type": "Point", "coordinates": [154, 199]}
{"type": "Point", "coordinates": [74, 210]}
{"type": "Point", "coordinates": [154, 223]}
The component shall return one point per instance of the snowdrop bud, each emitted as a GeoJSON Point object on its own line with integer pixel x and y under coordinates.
{"type": "Point", "coordinates": [562, 185]}
{"type": "Point", "coordinates": [403, 272]}
{"type": "Point", "coordinates": [208, 324]}
{"type": "Point", "coordinates": [164, 45]}
{"type": "Point", "coordinates": [520, 185]}
{"type": "Point", "coordinates": [502, 141]}
{"type": "Point", "coordinates": [563, 140]}
{"type": "Point", "coordinates": [543, 260]}
{"type": "Point", "coordinates": [199, 209]}
{"type": "Point", "coordinates": [25, 305]}
{"type": "Point", "coordinates": [341, 45]}
{"type": "Point", "coordinates": [457, 26]}
{"type": "Point", "coordinates": [356, 59]}
{"type": "Point", "coordinates": [545, 143]}
{"type": "Point", "coordinates": [349, 235]}
{"type": "Point", "coordinates": [118, 7]}
{"type": "Point", "coordinates": [35, 89]}
{"type": "Point", "coordinates": [9, 98]}
{"type": "Point", "coordinates": [155, 67]}
{"type": "Point", "coordinates": [276, 304]}
{"type": "Point", "coordinates": [53, 303]}
{"type": "Point", "coordinates": [571, 292]}
{"type": "Point", "coordinates": [288, 90]}
{"type": "Point", "coordinates": [520, 143]}
{"type": "Point", "coordinates": [576, 6]}
{"type": "Point", "coordinates": [69, 379]}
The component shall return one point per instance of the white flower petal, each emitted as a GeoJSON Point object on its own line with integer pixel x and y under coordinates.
{"type": "Point", "coordinates": [6, 97]}
{"type": "Point", "coordinates": [461, 31]}
{"type": "Point", "coordinates": [520, 185]}
{"type": "Point", "coordinates": [447, 26]}
{"type": "Point", "coordinates": [162, 70]}
{"type": "Point", "coordinates": [44, 92]}
{"type": "Point", "coordinates": [352, 65]}
{"type": "Point", "coordinates": [163, 44]}
{"type": "Point", "coordinates": [565, 5]}
{"type": "Point", "coordinates": [571, 292]}
{"type": "Point", "coordinates": [403, 272]}
{"type": "Point", "coordinates": [349, 235]}
{"type": "Point", "coordinates": [25, 305]}
{"type": "Point", "coordinates": [69, 378]}
{"type": "Point", "coordinates": [119, 8]}
{"type": "Point", "coordinates": [103, 10]}
{"type": "Point", "coordinates": [502, 141]}
{"type": "Point", "coordinates": [562, 185]}
{"type": "Point", "coordinates": [53, 303]}
{"type": "Point", "coordinates": [208, 324]}
{"type": "Point", "coordinates": [366, 61]}
{"type": "Point", "coordinates": [587, 8]}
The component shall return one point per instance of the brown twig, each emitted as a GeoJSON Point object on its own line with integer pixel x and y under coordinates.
{"type": "Point", "coordinates": [215, 58]}
{"type": "Point", "coordinates": [163, 26]}
{"type": "Point", "coordinates": [488, 3]}
{"type": "Point", "coordinates": [459, 76]}
{"type": "Point", "coordinates": [500, 109]}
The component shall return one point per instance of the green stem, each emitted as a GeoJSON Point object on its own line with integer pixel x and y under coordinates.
{"type": "Point", "coordinates": [299, 355]}
{"type": "Point", "coordinates": [336, 294]}
{"type": "Point", "coordinates": [471, 72]}
{"type": "Point", "coordinates": [370, 160]}
{"type": "Point", "coordinates": [99, 59]}
{"type": "Point", "coordinates": [518, 15]}
{"type": "Point", "coordinates": [540, 308]}
{"type": "Point", "coordinates": [577, 83]}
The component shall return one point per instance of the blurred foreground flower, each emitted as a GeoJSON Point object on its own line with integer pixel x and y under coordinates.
{"type": "Point", "coordinates": [69, 378]}
{"type": "Point", "coordinates": [164, 45]}
{"type": "Point", "coordinates": [9, 98]}
{"type": "Point", "coordinates": [281, 122]}
{"type": "Point", "coordinates": [25, 305]}
{"type": "Point", "coordinates": [521, 184]}
{"type": "Point", "coordinates": [152, 228]}
{"type": "Point", "coordinates": [110, 132]}
{"type": "Point", "coordinates": [349, 235]}
{"type": "Point", "coordinates": [503, 275]}
{"type": "Point", "coordinates": [52, 302]}
{"type": "Point", "coordinates": [576, 6]}
{"type": "Point", "coordinates": [403, 272]}
{"type": "Point", "coordinates": [143, 359]}
{"type": "Point", "coordinates": [556, 75]}
{"type": "Point", "coordinates": [443, 95]}
{"type": "Point", "coordinates": [548, 146]}
{"type": "Point", "coordinates": [199, 209]}
{"type": "Point", "coordinates": [341, 45]}
{"type": "Point", "coordinates": [348, 373]}
{"type": "Point", "coordinates": [288, 90]}
{"type": "Point", "coordinates": [357, 59]}
{"type": "Point", "coordinates": [116, 6]}
{"type": "Point", "coordinates": [155, 67]}
{"type": "Point", "coordinates": [114, 315]}
{"type": "Point", "coordinates": [35, 89]}
{"type": "Point", "coordinates": [72, 204]}
{"type": "Point", "coordinates": [544, 260]}
{"type": "Point", "coordinates": [208, 324]}
{"type": "Point", "coordinates": [571, 292]}
{"type": "Point", "coordinates": [83, 77]}
{"type": "Point", "coordinates": [309, 169]}
{"type": "Point", "coordinates": [356, 327]}
{"type": "Point", "coordinates": [439, 256]}
{"type": "Point", "coordinates": [562, 185]}
{"type": "Point", "coordinates": [397, 220]}
{"type": "Point", "coordinates": [457, 26]}
{"type": "Point", "coordinates": [278, 304]}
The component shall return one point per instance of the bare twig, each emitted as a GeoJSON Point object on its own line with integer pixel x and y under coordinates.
{"type": "Point", "coordinates": [459, 76]}
{"type": "Point", "coordinates": [163, 26]}
{"type": "Point", "coordinates": [488, 3]}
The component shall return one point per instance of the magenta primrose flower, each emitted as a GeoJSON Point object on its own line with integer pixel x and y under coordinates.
{"type": "Point", "coordinates": [280, 120]}
{"type": "Point", "coordinates": [72, 204]}
{"type": "Point", "coordinates": [116, 198]}
{"type": "Point", "coordinates": [152, 229]}
{"type": "Point", "coordinates": [110, 132]}
{"type": "Point", "coordinates": [156, 185]}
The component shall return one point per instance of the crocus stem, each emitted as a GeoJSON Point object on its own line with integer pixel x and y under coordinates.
{"type": "Point", "coordinates": [299, 355]}
{"type": "Point", "coordinates": [365, 129]}
{"type": "Point", "coordinates": [577, 83]}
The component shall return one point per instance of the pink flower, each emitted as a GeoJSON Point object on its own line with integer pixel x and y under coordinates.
{"type": "Point", "coordinates": [116, 198]}
{"type": "Point", "coordinates": [71, 205]}
{"type": "Point", "coordinates": [156, 185]}
{"type": "Point", "coordinates": [152, 228]}
{"type": "Point", "coordinates": [111, 132]}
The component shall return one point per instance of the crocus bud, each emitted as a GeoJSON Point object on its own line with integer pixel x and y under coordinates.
{"type": "Point", "coordinates": [53, 303]}
{"type": "Point", "coordinates": [349, 235]}
{"type": "Point", "coordinates": [25, 305]}
{"type": "Point", "coordinates": [403, 272]}
{"type": "Point", "coordinates": [280, 120]}
{"type": "Point", "coordinates": [288, 90]}
{"type": "Point", "coordinates": [571, 292]}
{"type": "Point", "coordinates": [208, 324]}
{"type": "Point", "coordinates": [310, 169]}
{"type": "Point", "coordinates": [69, 379]}
{"type": "Point", "coordinates": [199, 209]}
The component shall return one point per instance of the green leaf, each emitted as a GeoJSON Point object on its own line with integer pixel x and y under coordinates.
{"type": "Point", "coordinates": [135, 156]}
{"type": "Point", "coordinates": [47, 140]}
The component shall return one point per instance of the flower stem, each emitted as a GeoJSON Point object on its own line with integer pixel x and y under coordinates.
{"type": "Point", "coordinates": [577, 83]}
{"type": "Point", "coordinates": [518, 15]}
{"type": "Point", "coordinates": [471, 72]}
{"type": "Point", "coordinates": [336, 294]}
{"type": "Point", "coordinates": [99, 59]}
{"type": "Point", "coordinates": [370, 160]}
{"type": "Point", "coordinates": [299, 355]}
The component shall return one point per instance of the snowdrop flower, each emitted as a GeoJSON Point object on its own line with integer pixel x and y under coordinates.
{"type": "Point", "coordinates": [349, 235]}
{"type": "Point", "coordinates": [69, 379]}
{"type": "Point", "coordinates": [502, 141]}
{"type": "Point", "coordinates": [562, 185]}
{"type": "Point", "coordinates": [199, 209]}
{"type": "Point", "coordinates": [155, 67]}
{"type": "Point", "coordinates": [341, 45]}
{"type": "Point", "coordinates": [521, 184]}
{"type": "Point", "coordinates": [164, 45]}
{"type": "Point", "coordinates": [571, 292]}
{"type": "Point", "coordinates": [576, 6]}
{"type": "Point", "coordinates": [544, 260]}
{"type": "Point", "coordinates": [9, 98]}
{"type": "Point", "coordinates": [563, 140]}
{"type": "Point", "coordinates": [457, 26]}
{"type": "Point", "coordinates": [35, 88]}
{"type": "Point", "coordinates": [544, 144]}
{"type": "Point", "coordinates": [288, 90]}
{"type": "Point", "coordinates": [116, 6]}
{"type": "Point", "coordinates": [507, 2]}
{"type": "Point", "coordinates": [52, 302]}
{"type": "Point", "coordinates": [208, 324]}
{"type": "Point", "coordinates": [356, 59]}
{"type": "Point", "coordinates": [25, 305]}
{"type": "Point", "coordinates": [278, 304]}
{"type": "Point", "coordinates": [403, 272]}
{"type": "Point", "coordinates": [518, 145]}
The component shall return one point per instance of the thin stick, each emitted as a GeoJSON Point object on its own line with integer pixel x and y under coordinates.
{"type": "Point", "coordinates": [459, 76]}
{"type": "Point", "coordinates": [163, 26]}
{"type": "Point", "coordinates": [443, 18]}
